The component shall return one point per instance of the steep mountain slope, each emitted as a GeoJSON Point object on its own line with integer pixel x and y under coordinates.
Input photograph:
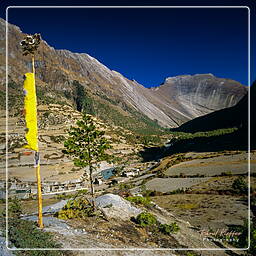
{"type": "Point", "coordinates": [57, 69]}
{"type": "Point", "coordinates": [236, 116]}
{"type": "Point", "coordinates": [233, 117]}
{"type": "Point", "coordinates": [187, 97]}
{"type": "Point", "coordinates": [178, 100]}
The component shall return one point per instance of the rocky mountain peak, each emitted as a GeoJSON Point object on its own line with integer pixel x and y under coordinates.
{"type": "Point", "coordinates": [183, 78]}
{"type": "Point", "coordinates": [176, 101]}
{"type": "Point", "coordinates": [175, 78]}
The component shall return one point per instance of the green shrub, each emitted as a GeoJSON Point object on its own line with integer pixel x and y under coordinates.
{"type": "Point", "coordinates": [76, 208]}
{"type": "Point", "coordinates": [64, 196]}
{"type": "Point", "coordinates": [25, 234]}
{"type": "Point", "coordinates": [228, 173]}
{"type": "Point", "coordinates": [57, 139]}
{"type": "Point", "coordinates": [125, 186]}
{"type": "Point", "coordinates": [145, 219]}
{"type": "Point", "coordinates": [14, 208]}
{"type": "Point", "coordinates": [2, 201]}
{"type": "Point", "coordinates": [149, 139]}
{"type": "Point", "coordinates": [239, 186]}
{"type": "Point", "coordinates": [169, 228]}
{"type": "Point", "coordinates": [177, 191]}
{"type": "Point", "coordinates": [139, 200]}
{"type": "Point", "coordinates": [81, 192]}
{"type": "Point", "coordinates": [149, 193]}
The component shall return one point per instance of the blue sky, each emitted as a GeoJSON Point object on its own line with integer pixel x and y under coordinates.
{"type": "Point", "coordinates": [148, 45]}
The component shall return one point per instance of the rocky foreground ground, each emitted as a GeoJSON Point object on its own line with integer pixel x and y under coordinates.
{"type": "Point", "coordinates": [116, 234]}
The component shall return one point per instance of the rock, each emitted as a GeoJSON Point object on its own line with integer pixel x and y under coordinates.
{"type": "Point", "coordinates": [48, 221]}
{"type": "Point", "coordinates": [52, 224]}
{"type": "Point", "coordinates": [54, 207]}
{"type": "Point", "coordinates": [114, 206]}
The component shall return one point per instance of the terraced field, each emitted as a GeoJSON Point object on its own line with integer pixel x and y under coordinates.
{"type": "Point", "coordinates": [233, 164]}
{"type": "Point", "coordinates": [207, 199]}
{"type": "Point", "coordinates": [54, 121]}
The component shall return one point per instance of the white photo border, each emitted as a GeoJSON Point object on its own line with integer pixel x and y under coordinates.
{"type": "Point", "coordinates": [131, 249]}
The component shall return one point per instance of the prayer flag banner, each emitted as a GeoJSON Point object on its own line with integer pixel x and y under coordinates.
{"type": "Point", "coordinates": [30, 111]}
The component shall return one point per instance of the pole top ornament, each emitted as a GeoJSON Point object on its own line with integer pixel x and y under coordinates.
{"type": "Point", "coordinates": [30, 44]}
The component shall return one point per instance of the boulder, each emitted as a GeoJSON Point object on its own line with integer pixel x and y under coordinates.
{"type": "Point", "coordinates": [115, 207]}
{"type": "Point", "coordinates": [54, 207]}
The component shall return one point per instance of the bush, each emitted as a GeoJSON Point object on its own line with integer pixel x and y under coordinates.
{"type": "Point", "coordinates": [228, 173]}
{"type": "Point", "coordinates": [64, 196]}
{"type": "Point", "coordinates": [76, 208]}
{"type": "Point", "coordinates": [125, 186]}
{"type": "Point", "coordinates": [2, 201]}
{"type": "Point", "coordinates": [24, 234]}
{"type": "Point", "coordinates": [139, 200]}
{"type": "Point", "coordinates": [57, 139]}
{"type": "Point", "coordinates": [81, 192]}
{"type": "Point", "coordinates": [149, 193]}
{"type": "Point", "coordinates": [239, 186]}
{"type": "Point", "coordinates": [14, 208]}
{"type": "Point", "coordinates": [168, 229]}
{"type": "Point", "coordinates": [177, 191]}
{"type": "Point", "coordinates": [145, 219]}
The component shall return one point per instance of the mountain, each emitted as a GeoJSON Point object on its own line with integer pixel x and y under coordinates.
{"type": "Point", "coordinates": [186, 97]}
{"type": "Point", "coordinates": [232, 117]}
{"type": "Point", "coordinates": [63, 76]}
{"type": "Point", "coordinates": [235, 116]}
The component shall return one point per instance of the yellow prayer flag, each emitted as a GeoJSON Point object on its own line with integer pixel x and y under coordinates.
{"type": "Point", "coordinates": [30, 111]}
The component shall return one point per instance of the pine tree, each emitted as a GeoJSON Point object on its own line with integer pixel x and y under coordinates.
{"type": "Point", "coordinates": [87, 145]}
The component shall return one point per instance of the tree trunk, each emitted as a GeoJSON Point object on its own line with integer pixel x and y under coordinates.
{"type": "Point", "coordinates": [92, 188]}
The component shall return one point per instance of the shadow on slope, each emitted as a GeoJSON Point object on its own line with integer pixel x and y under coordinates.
{"type": "Point", "coordinates": [237, 140]}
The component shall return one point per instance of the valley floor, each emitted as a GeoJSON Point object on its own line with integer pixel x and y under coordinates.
{"type": "Point", "coordinates": [195, 189]}
{"type": "Point", "coordinates": [207, 204]}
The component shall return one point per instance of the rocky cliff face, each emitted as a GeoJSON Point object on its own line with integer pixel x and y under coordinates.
{"type": "Point", "coordinates": [178, 100]}
{"type": "Point", "coordinates": [187, 97]}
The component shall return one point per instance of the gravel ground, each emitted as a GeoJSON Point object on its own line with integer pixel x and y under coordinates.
{"type": "Point", "coordinates": [171, 184]}
{"type": "Point", "coordinates": [52, 224]}
{"type": "Point", "coordinates": [236, 164]}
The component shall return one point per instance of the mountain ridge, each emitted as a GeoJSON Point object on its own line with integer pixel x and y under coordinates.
{"type": "Point", "coordinates": [57, 69]}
